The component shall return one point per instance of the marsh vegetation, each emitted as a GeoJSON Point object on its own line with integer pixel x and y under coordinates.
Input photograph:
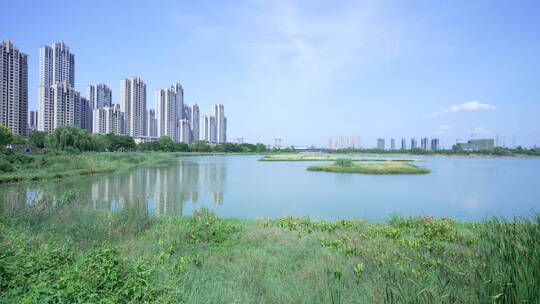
{"type": "Point", "coordinates": [348, 166]}
{"type": "Point", "coordinates": [52, 252]}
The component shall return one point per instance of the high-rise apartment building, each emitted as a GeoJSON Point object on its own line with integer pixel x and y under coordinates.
{"type": "Point", "coordinates": [194, 122]}
{"type": "Point", "coordinates": [99, 95]}
{"type": "Point", "coordinates": [168, 104]}
{"type": "Point", "coordinates": [84, 114]}
{"type": "Point", "coordinates": [424, 143]}
{"type": "Point", "coordinates": [380, 143]}
{"type": "Point", "coordinates": [152, 123]}
{"type": "Point", "coordinates": [61, 105]}
{"type": "Point", "coordinates": [221, 122]}
{"type": "Point", "coordinates": [56, 64]}
{"type": "Point", "coordinates": [435, 144]}
{"type": "Point", "coordinates": [205, 128]}
{"type": "Point", "coordinates": [109, 120]}
{"type": "Point", "coordinates": [133, 104]}
{"type": "Point", "coordinates": [240, 140]}
{"type": "Point", "coordinates": [331, 144]}
{"type": "Point", "coordinates": [414, 143]}
{"type": "Point", "coordinates": [392, 144]}
{"type": "Point", "coordinates": [213, 130]}
{"type": "Point", "coordinates": [13, 88]}
{"type": "Point", "coordinates": [403, 144]}
{"type": "Point", "coordinates": [355, 142]}
{"type": "Point", "coordinates": [32, 120]}
{"type": "Point", "coordinates": [184, 130]}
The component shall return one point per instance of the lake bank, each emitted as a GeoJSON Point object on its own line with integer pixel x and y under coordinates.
{"type": "Point", "coordinates": [27, 167]}
{"type": "Point", "coordinates": [52, 250]}
{"type": "Point", "coordinates": [370, 168]}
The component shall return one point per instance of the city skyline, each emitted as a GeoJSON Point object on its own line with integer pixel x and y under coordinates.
{"type": "Point", "coordinates": [414, 67]}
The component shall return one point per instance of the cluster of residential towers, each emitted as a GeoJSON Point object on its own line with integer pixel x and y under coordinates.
{"type": "Point", "coordinates": [60, 104]}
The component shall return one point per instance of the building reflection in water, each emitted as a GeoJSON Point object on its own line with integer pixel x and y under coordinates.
{"type": "Point", "coordinates": [163, 189]}
{"type": "Point", "coordinates": [157, 190]}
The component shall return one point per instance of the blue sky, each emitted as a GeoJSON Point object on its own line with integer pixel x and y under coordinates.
{"type": "Point", "coordinates": [310, 70]}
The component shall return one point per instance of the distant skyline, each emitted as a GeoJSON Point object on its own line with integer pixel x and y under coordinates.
{"type": "Point", "coordinates": [307, 71]}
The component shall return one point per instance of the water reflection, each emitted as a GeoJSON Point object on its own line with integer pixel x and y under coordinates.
{"type": "Point", "coordinates": [160, 190]}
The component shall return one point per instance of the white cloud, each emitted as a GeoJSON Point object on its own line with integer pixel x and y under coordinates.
{"type": "Point", "coordinates": [468, 106]}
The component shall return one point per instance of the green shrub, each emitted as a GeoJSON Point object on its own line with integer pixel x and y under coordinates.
{"type": "Point", "coordinates": [5, 166]}
{"type": "Point", "coordinates": [344, 162]}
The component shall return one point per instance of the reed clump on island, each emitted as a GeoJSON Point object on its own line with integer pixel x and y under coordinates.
{"type": "Point", "coordinates": [348, 166]}
{"type": "Point", "coordinates": [54, 250]}
{"type": "Point", "coordinates": [326, 157]}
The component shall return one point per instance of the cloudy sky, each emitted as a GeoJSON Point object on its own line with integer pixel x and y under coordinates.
{"type": "Point", "coordinates": [311, 70]}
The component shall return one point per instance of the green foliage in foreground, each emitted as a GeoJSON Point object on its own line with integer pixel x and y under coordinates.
{"type": "Point", "coordinates": [369, 168]}
{"type": "Point", "coordinates": [54, 252]}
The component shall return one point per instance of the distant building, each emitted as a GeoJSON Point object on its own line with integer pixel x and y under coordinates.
{"type": "Point", "coordinates": [414, 143]}
{"type": "Point", "coordinates": [194, 122]}
{"type": "Point", "coordinates": [109, 120]}
{"type": "Point", "coordinates": [61, 105]}
{"type": "Point", "coordinates": [152, 123]}
{"type": "Point", "coordinates": [13, 88]}
{"type": "Point", "coordinates": [32, 120]}
{"type": "Point", "coordinates": [169, 110]}
{"type": "Point", "coordinates": [392, 144]}
{"type": "Point", "coordinates": [355, 142]}
{"type": "Point", "coordinates": [331, 144]}
{"type": "Point", "coordinates": [99, 95]}
{"type": "Point", "coordinates": [221, 123]}
{"type": "Point", "coordinates": [424, 143]}
{"type": "Point", "coordinates": [476, 144]}
{"type": "Point", "coordinates": [277, 142]}
{"type": "Point", "coordinates": [184, 130]}
{"type": "Point", "coordinates": [133, 104]}
{"type": "Point", "coordinates": [380, 143]}
{"type": "Point", "coordinates": [239, 140]}
{"type": "Point", "coordinates": [403, 144]}
{"type": "Point", "coordinates": [435, 144]}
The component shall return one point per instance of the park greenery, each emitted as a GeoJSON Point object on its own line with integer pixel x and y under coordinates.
{"type": "Point", "coordinates": [52, 251]}
{"type": "Point", "coordinates": [346, 165]}
{"type": "Point", "coordinates": [71, 151]}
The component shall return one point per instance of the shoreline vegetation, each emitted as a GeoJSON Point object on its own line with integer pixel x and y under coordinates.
{"type": "Point", "coordinates": [53, 250]}
{"type": "Point", "coordinates": [327, 157]}
{"type": "Point", "coordinates": [386, 167]}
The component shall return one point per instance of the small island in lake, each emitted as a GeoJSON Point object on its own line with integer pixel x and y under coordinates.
{"type": "Point", "coordinates": [345, 165]}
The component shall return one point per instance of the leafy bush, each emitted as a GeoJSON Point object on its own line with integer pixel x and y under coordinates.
{"type": "Point", "coordinates": [344, 162]}
{"type": "Point", "coordinates": [5, 166]}
{"type": "Point", "coordinates": [43, 273]}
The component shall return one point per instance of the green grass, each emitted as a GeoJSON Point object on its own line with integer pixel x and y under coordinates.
{"type": "Point", "coordinates": [370, 168]}
{"type": "Point", "coordinates": [53, 252]}
{"type": "Point", "coordinates": [327, 157]}
{"type": "Point", "coordinates": [51, 166]}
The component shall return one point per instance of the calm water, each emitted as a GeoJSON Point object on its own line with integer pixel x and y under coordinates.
{"type": "Point", "coordinates": [242, 187]}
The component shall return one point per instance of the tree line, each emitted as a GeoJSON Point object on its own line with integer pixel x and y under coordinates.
{"type": "Point", "coordinates": [74, 139]}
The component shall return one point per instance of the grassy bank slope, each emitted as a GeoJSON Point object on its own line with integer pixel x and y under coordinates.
{"type": "Point", "coordinates": [323, 157]}
{"type": "Point", "coordinates": [51, 252]}
{"type": "Point", "coordinates": [371, 168]}
{"type": "Point", "coordinates": [39, 167]}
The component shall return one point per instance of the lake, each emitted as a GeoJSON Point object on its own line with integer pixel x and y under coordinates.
{"type": "Point", "coordinates": [242, 187]}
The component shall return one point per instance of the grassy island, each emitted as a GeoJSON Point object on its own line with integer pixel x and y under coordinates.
{"type": "Point", "coordinates": [326, 157]}
{"type": "Point", "coordinates": [370, 168]}
{"type": "Point", "coordinates": [54, 252]}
